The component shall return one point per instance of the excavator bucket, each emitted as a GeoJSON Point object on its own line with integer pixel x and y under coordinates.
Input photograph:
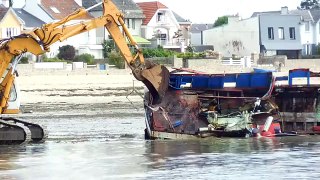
{"type": "Point", "coordinates": [156, 80]}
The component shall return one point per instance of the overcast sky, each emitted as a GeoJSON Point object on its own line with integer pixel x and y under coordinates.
{"type": "Point", "coordinates": [207, 11]}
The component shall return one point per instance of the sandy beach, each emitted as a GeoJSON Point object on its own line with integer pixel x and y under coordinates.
{"type": "Point", "coordinates": [79, 82]}
{"type": "Point", "coordinates": [82, 90]}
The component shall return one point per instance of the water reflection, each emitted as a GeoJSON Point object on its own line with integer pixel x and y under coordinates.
{"type": "Point", "coordinates": [173, 148]}
{"type": "Point", "coordinates": [230, 145]}
{"type": "Point", "coordinates": [131, 158]}
{"type": "Point", "coordinates": [9, 155]}
{"type": "Point", "coordinates": [225, 158]}
{"type": "Point", "coordinates": [115, 149]}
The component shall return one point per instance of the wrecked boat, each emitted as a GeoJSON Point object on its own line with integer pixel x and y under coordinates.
{"type": "Point", "coordinates": [260, 103]}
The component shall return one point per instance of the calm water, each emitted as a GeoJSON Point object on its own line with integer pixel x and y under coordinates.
{"type": "Point", "coordinates": [114, 148]}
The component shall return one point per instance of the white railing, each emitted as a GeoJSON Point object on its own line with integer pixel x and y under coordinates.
{"type": "Point", "coordinates": [245, 61]}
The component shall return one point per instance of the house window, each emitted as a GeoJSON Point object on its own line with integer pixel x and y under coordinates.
{"type": "Point", "coordinates": [133, 24]}
{"type": "Point", "coordinates": [8, 32]}
{"type": "Point", "coordinates": [292, 32]}
{"type": "Point", "coordinates": [55, 10]}
{"type": "Point", "coordinates": [308, 49]}
{"type": "Point", "coordinates": [270, 33]}
{"type": "Point", "coordinates": [127, 22]}
{"type": "Point", "coordinates": [163, 36]}
{"type": "Point", "coordinates": [160, 17]}
{"type": "Point", "coordinates": [281, 32]}
{"type": "Point", "coordinates": [307, 26]}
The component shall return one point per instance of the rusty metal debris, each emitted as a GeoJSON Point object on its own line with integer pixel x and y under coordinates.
{"type": "Point", "coordinates": [241, 105]}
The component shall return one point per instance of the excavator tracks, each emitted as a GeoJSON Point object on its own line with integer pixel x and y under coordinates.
{"type": "Point", "coordinates": [15, 131]}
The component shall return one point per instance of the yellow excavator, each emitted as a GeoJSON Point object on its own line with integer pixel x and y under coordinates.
{"type": "Point", "coordinates": [38, 41]}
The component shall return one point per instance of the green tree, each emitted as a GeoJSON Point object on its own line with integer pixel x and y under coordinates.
{"type": "Point", "coordinates": [67, 52]}
{"type": "Point", "coordinates": [10, 3]}
{"type": "Point", "coordinates": [309, 4]}
{"type": "Point", "coordinates": [221, 21]}
{"type": "Point", "coordinates": [108, 46]}
{"type": "Point", "coordinates": [157, 52]}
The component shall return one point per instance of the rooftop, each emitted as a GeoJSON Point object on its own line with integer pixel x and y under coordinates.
{"type": "Point", "coordinates": [29, 20]}
{"type": "Point", "coordinates": [130, 8]}
{"type": "Point", "coordinates": [196, 28]}
{"type": "Point", "coordinates": [149, 9]}
{"type": "Point", "coordinates": [61, 9]}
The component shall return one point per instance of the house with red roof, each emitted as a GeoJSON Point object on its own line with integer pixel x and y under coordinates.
{"type": "Point", "coordinates": [163, 26]}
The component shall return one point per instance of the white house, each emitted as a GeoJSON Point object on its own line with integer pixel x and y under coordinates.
{"type": "Point", "coordinates": [315, 24]}
{"type": "Point", "coordinates": [161, 25]}
{"type": "Point", "coordinates": [132, 13]}
{"type": "Point", "coordinates": [238, 37]}
{"type": "Point", "coordinates": [309, 30]}
{"type": "Point", "coordinates": [52, 11]}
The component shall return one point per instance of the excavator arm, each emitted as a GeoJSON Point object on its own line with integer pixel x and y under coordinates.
{"type": "Point", "coordinates": [39, 40]}
{"type": "Point", "coordinates": [155, 77]}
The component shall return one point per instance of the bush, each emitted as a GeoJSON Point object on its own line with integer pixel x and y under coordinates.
{"type": "Point", "coordinates": [44, 58]}
{"type": "Point", "coordinates": [24, 60]}
{"type": "Point", "coordinates": [86, 58]}
{"type": "Point", "coordinates": [202, 55]}
{"type": "Point", "coordinates": [190, 55]}
{"type": "Point", "coordinates": [116, 59]}
{"type": "Point", "coordinates": [67, 52]}
{"type": "Point", "coordinates": [55, 59]}
{"type": "Point", "coordinates": [187, 55]}
{"type": "Point", "coordinates": [158, 52]}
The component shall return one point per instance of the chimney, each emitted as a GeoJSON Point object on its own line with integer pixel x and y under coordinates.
{"type": "Point", "coordinates": [284, 10]}
{"type": "Point", "coordinates": [232, 19]}
{"type": "Point", "coordinates": [79, 2]}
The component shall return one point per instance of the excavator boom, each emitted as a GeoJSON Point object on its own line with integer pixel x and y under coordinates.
{"type": "Point", "coordinates": [155, 77]}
